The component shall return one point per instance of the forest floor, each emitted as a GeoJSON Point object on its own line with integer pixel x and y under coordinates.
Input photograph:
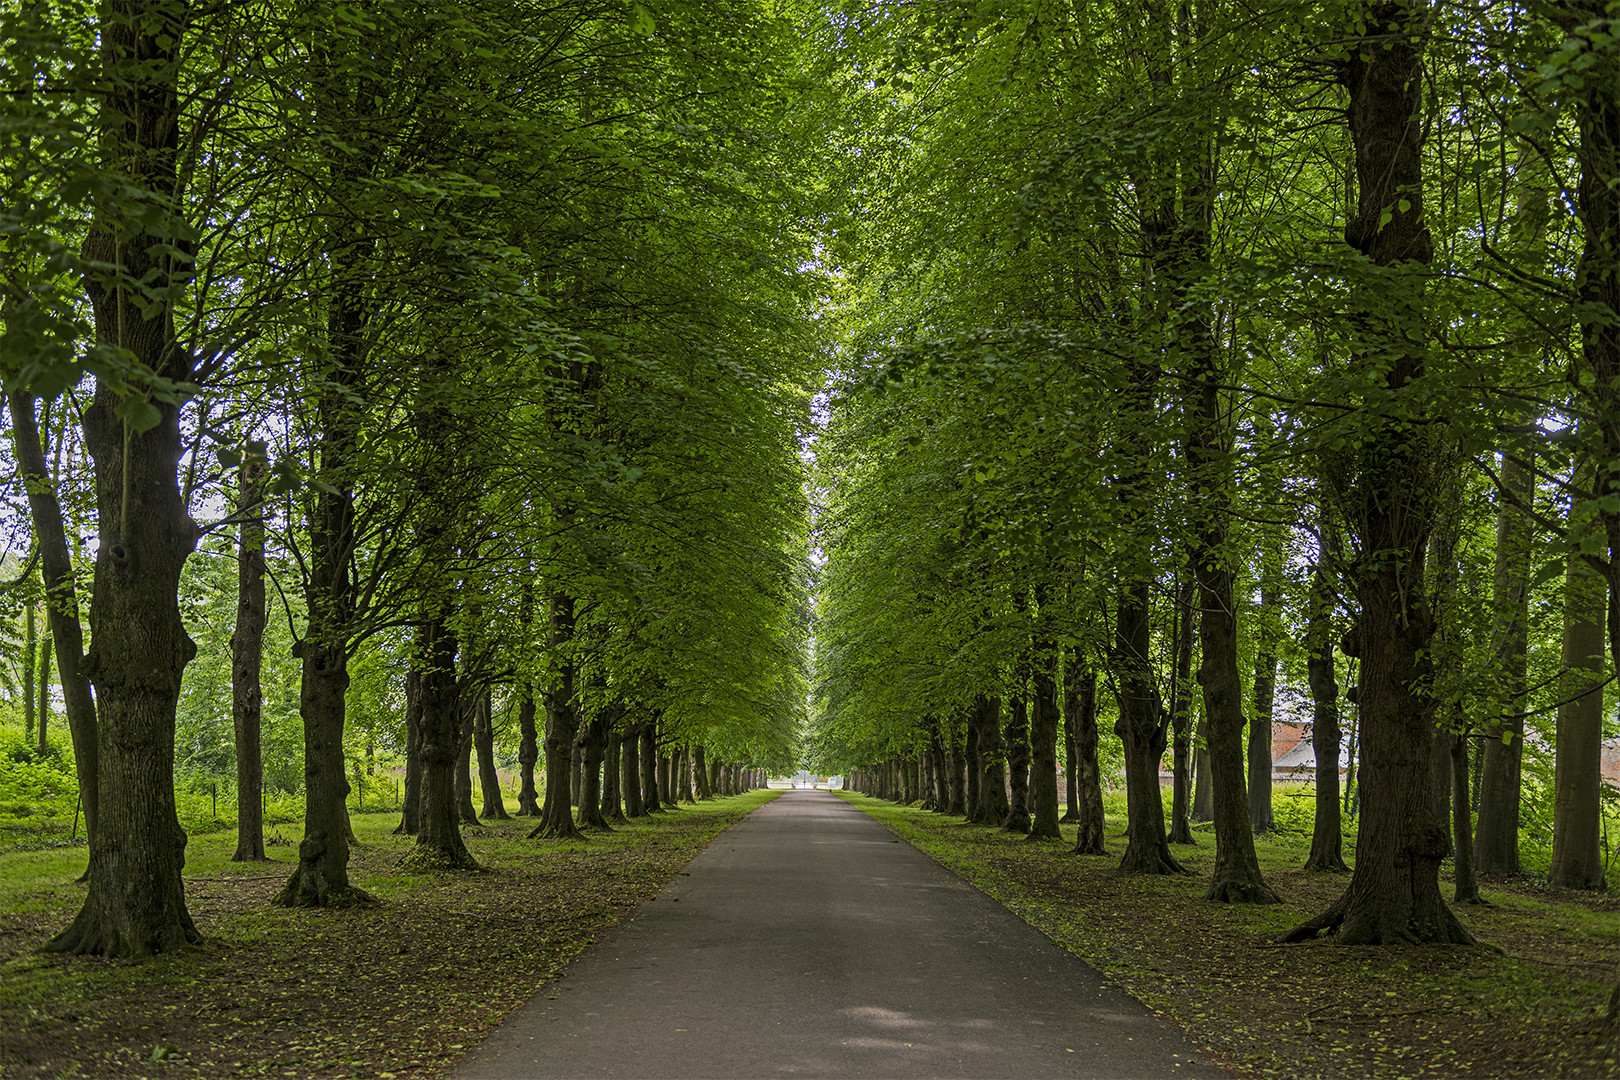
{"type": "Point", "coordinates": [399, 988]}
{"type": "Point", "coordinates": [1532, 1009]}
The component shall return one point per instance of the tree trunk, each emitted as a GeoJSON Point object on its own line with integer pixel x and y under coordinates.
{"type": "Point", "coordinates": [562, 727]}
{"type": "Point", "coordinates": [411, 808]}
{"type": "Point", "coordinates": [464, 757]}
{"type": "Point", "coordinates": [61, 599]}
{"type": "Point", "coordinates": [612, 800]}
{"type": "Point", "coordinates": [489, 781]}
{"type": "Point", "coordinates": [700, 773]}
{"type": "Point", "coordinates": [1394, 891]}
{"type": "Point", "coordinates": [439, 845]}
{"type": "Point", "coordinates": [1144, 729]}
{"type": "Point", "coordinates": [991, 808]}
{"type": "Point", "coordinates": [591, 743]}
{"type": "Point", "coordinates": [1496, 837]}
{"type": "Point", "coordinates": [247, 654]}
{"type": "Point", "coordinates": [1327, 831]}
{"type": "Point", "coordinates": [1236, 877]}
{"type": "Point", "coordinates": [1462, 818]}
{"type": "Point", "coordinates": [1577, 861]}
{"type": "Point", "coordinates": [957, 778]}
{"type": "Point", "coordinates": [1071, 752]}
{"type": "Point", "coordinates": [651, 796]}
{"type": "Point", "coordinates": [630, 773]}
{"type": "Point", "coordinates": [1016, 734]}
{"type": "Point", "coordinates": [1265, 695]}
{"type": "Point", "coordinates": [528, 755]}
{"type": "Point", "coordinates": [1089, 836]}
{"type": "Point", "coordinates": [1043, 735]}
{"type": "Point", "coordinates": [29, 650]}
{"type": "Point", "coordinates": [136, 901]}
{"type": "Point", "coordinates": [973, 768]}
{"type": "Point", "coordinates": [1181, 715]}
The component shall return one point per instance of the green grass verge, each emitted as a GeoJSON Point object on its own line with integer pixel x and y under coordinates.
{"type": "Point", "coordinates": [1316, 1010]}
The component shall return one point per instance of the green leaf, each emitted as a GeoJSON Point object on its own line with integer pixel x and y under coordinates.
{"type": "Point", "coordinates": [642, 23]}
{"type": "Point", "coordinates": [139, 414]}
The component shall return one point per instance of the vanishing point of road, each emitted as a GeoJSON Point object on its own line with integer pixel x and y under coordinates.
{"type": "Point", "coordinates": [807, 941]}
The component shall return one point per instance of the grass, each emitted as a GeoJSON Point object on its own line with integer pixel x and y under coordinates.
{"type": "Point", "coordinates": [399, 988]}
{"type": "Point", "coordinates": [1316, 1010]}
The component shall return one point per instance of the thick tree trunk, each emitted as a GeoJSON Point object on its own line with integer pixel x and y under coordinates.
{"type": "Point", "coordinates": [612, 799]}
{"type": "Point", "coordinates": [562, 728]}
{"type": "Point", "coordinates": [700, 773]}
{"type": "Point", "coordinates": [1327, 831]}
{"type": "Point", "coordinates": [630, 772]}
{"type": "Point", "coordinates": [1577, 861]}
{"type": "Point", "coordinates": [136, 904]}
{"type": "Point", "coordinates": [489, 781]}
{"type": "Point", "coordinates": [592, 742]}
{"type": "Point", "coordinates": [322, 876]}
{"type": "Point", "coordinates": [439, 845]}
{"type": "Point", "coordinates": [464, 758]}
{"type": "Point", "coordinates": [136, 901]}
{"type": "Point", "coordinates": [1496, 837]}
{"type": "Point", "coordinates": [1144, 729]}
{"type": "Point", "coordinates": [1043, 735]}
{"type": "Point", "coordinates": [411, 808]}
{"type": "Point", "coordinates": [651, 796]}
{"type": "Point", "coordinates": [957, 772]}
{"type": "Point", "coordinates": [1236, 877]}
{"type": "Point", "coordinates": [973, 768]}
{"type": "Point", "coordinates": [1394, 892]}
{"type": "Point", "coordinates": [528, 756]}
{"type": "Point", "coordinates": [1088, 836]}
{"type": "Point", "coordinates": [991, 808]}
{"type": "Point", "coordinates": [1016, 734]}
{"type": "Point", "coordinates": [1181, 715]}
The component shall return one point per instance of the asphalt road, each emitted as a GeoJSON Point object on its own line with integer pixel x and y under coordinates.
{"type": "Point", "coordinates": [808, 941]}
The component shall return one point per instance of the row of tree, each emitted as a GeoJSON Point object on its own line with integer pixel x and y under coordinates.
{"type": "Point", "coordinates": [1175, 333]}
{"type": "Point", "coordinates": [475, 331]}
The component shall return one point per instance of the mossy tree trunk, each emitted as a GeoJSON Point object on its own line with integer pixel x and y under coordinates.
{"type": "Point", "coordinates": [1394, 891]}
{"type": "Point", "coordinates": [135, 904]}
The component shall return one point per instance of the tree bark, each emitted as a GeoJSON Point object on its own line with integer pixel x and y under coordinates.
{"type": "Point", "coordinates": [1043, 735]}
{"type": "Point", "coordinates": [464, 756]}
{"type": "Point", "coordinates": [1261, 817]}
{"type": "Point", "coordinates": [1394, 891]}
{"type": "Point", "coordinates": [651, 796]}
{"type": "Point", "coordinates": [991, 808]}
{"type": "Point", "coordinates": [1016, 734]}
{"type": "Point", "coordinates": [1327, 830]}
{"type": "Point", "coordinates": [1577, 861]}
{"type": "Point", "coordinates": [489, 781]}
{"type": "Point", "coordinates": [562, 726]}
{"type": "Point", "coordinates": [61, 599]}
{"type": "Point", "coordinates": [1089, 836]}
{"type": "Point", "coordinates": [439, 845]}
{"type": "Point", "coordinates": [592, 743]}
{"type": "Point", "coordinates": [1144, 729]}
{"type": "Point", "coordinates": [411, 809]}
{"type": "Point", "coordinates": [612, 799]}
{"type": "Point", "coordinates": [630, 772]}
{"type": "Point", "coordinates": [136, 901]}
{"type": "Point", "coordinates": [700, 773]}
{"type": "Point", "coordinates": [1496, 836]}
{"type": "Point", "coordinates": [958, 772]}
{"type": "Point", "coordinates": [1071, 753]}
{"type": "Point", "coordinates": [1181, 714]}
{"type": "Point", "coordinates": [247, 655]}
{"type": "Point", "coordinates": [528, 755]}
